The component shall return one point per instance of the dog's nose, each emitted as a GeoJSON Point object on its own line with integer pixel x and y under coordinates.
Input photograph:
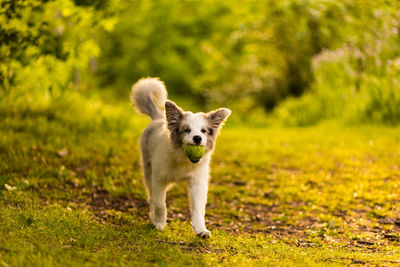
{"type": "Point", "coordinates": [197, 139]}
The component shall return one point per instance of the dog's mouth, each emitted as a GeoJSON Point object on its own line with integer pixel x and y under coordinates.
{"type": "Point", "coordinates": [194, 144]}
{"type": "Point", "coordinates": [194, 161]}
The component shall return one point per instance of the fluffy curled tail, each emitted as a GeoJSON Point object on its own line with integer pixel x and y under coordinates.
{"type": "Point", "coordinates": [148, 96]}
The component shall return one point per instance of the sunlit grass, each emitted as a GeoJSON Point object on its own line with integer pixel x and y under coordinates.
{"type": "Point", "coordinates": [71, 193]}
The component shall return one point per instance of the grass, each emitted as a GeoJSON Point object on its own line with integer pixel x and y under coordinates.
{"type": "Point", "coordinates": [71, 193]}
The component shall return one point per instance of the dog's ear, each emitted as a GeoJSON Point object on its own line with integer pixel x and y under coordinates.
{"type": "Point", "coordinates": [174, 115]}
{"type": "Point", "coordinates": [217, 117]}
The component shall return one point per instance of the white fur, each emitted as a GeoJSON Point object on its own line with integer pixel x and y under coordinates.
{"type": "Point", "coordinates": [173, 166]}
{"type": "Point", "coordinates": [148, 96]}
{"type": "Point", "coordinates": [165, 164]}
{"type": "Point", "coordinates": [196, 123]}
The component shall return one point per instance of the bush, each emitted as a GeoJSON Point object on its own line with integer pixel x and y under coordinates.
{"type": "Point", "coordinates": [221, 52]}
{"type": "Point", "coordinates": [46, 47]}
{"type": "Point", "coordinates": [357, 82]}
{"type": "Point", "coordinates": [332, 59]}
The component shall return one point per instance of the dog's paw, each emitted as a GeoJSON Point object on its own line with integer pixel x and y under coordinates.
{"type": "Point", "coordinates": [204, 234]}
{"type": "Point", "coordinates": [159, 225]}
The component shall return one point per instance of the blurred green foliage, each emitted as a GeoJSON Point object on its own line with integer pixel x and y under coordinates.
{"type": "Point", "coordinates": [252, 53]}
{"type": "Point", "coordinates": [322, 59]}
{"type": "Point", "coordinates": [358, 81]}
{"type": "Point", "coordinates": [47, 46]}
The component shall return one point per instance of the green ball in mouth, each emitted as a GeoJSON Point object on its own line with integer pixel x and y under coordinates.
{"type": "Point", "coordinates": [194, 153]}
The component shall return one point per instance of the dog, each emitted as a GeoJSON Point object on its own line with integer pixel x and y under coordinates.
{"type": "Point", "coordinates": [162, 150]}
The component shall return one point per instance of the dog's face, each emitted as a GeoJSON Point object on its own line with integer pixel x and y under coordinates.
{"type": "Point", "coordinates": [197, 129]}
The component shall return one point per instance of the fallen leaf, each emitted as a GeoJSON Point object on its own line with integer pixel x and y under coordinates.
{"type": "Point", "coordinates": [10, 188]}
{"type": "Point", "coordinates": [63, 152]}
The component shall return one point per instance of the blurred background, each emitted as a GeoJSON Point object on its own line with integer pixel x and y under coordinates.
{"type": "Point", "coordinates": [296, 62]}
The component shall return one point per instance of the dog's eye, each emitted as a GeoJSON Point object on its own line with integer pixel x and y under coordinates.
{"type": "Point", "coordinates": [187, 130]}
{"type": "Point", "coordinates": [203, 131]}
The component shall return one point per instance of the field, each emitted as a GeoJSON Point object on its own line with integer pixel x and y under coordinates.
{"type": "Point", "coordinates": [306, 170]}
{"type": "Point", "coordinates": [71, 193]}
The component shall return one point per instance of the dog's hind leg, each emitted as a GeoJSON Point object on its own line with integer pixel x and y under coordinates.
{"type": "Point", "coordinates": [158, 208]}
{"type": "Point", "coordinates": [146, 159]}
{"type": "Point", "coordinates": [147, 177]}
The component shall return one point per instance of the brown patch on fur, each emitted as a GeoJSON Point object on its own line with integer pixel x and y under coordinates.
{"type": "Point", "coordinates": [215, 120]}
{"type": "Point", "coordinates": [211, 140]}
{"type": "Point", "coordinates": [174, 115]}
{"type": "Point", "coordinates": [216, 117]}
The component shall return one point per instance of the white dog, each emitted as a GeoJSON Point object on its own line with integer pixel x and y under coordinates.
{"type": "Point", "coordinates": [162, 146]}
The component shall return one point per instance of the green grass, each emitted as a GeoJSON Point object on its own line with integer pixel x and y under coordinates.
{"type": "Point", "coordinates": [71, 193]}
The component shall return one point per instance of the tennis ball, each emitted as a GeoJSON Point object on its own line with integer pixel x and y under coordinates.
{"type": "Point", "coordinates": [194, 153]}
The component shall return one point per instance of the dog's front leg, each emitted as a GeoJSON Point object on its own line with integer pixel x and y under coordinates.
{"type": "Point", "coordinates": [198, 199]}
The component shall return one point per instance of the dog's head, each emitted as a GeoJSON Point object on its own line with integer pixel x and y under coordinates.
{"type": "Point", "coordinates": [194, 128]}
